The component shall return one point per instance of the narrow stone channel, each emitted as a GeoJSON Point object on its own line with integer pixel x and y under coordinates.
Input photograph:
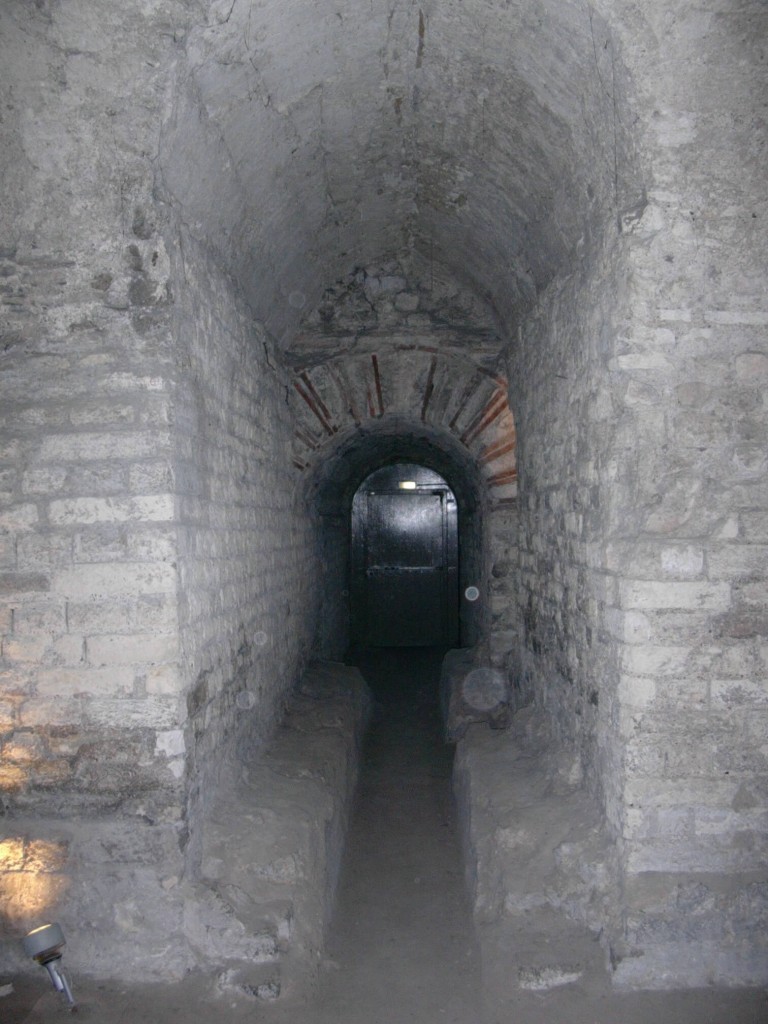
{"type": "Point", "coordinates": [401, 946]}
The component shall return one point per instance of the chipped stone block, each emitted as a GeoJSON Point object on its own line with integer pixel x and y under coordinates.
{"type": "Point", "coordinates": [114, 580]}
{"type": "Point", "coordinates": [214, 930]}
{"type": "Point", "coordinates": [137, 649]}
{"type": "Point", "coordinates": [60, 448]}
{"type": "Point", "coordinates": [542, 979]}
{"type": "Point", "coordinates": [471, 690]}
{"type": "Point", "coordinates": [18, 518]}
{"type": "Point", "coordinates": [649, 594]}
{"type": "Point", "coordinates": [76, 511]}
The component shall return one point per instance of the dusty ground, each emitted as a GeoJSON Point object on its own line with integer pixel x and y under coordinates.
{"type": "Point", "coordinates": [401, 947]}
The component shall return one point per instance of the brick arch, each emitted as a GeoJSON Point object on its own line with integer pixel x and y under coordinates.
{"type": "Point", "coordinates": [417, 384]}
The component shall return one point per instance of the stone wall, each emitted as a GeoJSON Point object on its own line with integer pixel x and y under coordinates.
{"type": "Point", "coordinates": [641, 474]}
{"type": "Point", "coordinates": [690, 609]}
{"type": "Point", "coordinates": [566, 436]}
{"type": "Point", "coordinates": [92, 753]}
{"type": "Point", "coordinates": [155, 560]}
{"type": "Point", "coordinates": [274, 839]}
{"type": "Point", "coordinates": [247, 558]}
{"type": "Point", "coordinates": [89, 619]}
{"type": "Point", "coordinates": [505, 620]}
{"type": "Point", "coordinates": [157, 599]}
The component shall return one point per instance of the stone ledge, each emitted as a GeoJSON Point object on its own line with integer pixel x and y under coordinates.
{"type": "Point", "coordinates": [543, 878]}
{"type": "Point", "coordinates": [532, 835]}
{"type": "Point", "coordinates": [272, 844]}
{"type": "Point", "coordinates": [538, 866]}
{"type": "Point", "coordinates": [700, 964]}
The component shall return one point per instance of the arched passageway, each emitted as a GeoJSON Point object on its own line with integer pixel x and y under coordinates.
{"type": "Point", "coordinates": [338, 479]}
{"type": "Point", "coordinates": [254, 251]}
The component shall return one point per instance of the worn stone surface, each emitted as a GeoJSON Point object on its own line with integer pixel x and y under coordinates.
{"type": "Point", "coordinates": [538, 862]}
{"type": "Point", "coordinates": [417, 154]}
{"type": "Point", "coordinates": [114, 884]}
{"type": "Point", "coordinates": [531, 831]}
{"type": "Point", "coordinates": [273, 840]}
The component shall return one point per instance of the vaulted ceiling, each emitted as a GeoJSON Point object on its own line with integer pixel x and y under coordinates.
{"type": "Point", "coordinates": [304, 140]}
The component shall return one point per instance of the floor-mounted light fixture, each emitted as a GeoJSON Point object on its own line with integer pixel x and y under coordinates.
{"type": "Point", "coordinates": [44, 945]}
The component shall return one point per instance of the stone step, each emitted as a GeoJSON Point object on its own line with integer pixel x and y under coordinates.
{"type": "Point", "coordinates": [535, 951]}
{"type": "Point", "coordinates": [272, 842]}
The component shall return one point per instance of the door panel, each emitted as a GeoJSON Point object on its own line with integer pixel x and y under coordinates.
{"type": "Point", "coordinates": [405, 530]}
{"type": "Point", "coordinates": [405, 607]}
{"type": "Point", "coordinates": [404, 591]}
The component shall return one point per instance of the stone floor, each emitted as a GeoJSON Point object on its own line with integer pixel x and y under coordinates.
{"type": "Point", "coordinates": [401, 947]}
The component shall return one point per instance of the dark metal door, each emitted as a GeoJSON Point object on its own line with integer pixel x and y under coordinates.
{"type": "Point", "coordinates": [407, 577]}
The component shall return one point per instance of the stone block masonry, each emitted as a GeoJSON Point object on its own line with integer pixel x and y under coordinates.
{"type": "Point", "coordinates": [537, 862]}
{"type": "Point", "coordinates": [156, 592]}
{"type": "Point", "coordinates": [90, 646]}
{"type": "Point", "coordinates": [156, 566]}
{"type": "Point", "coordinates": [87, 551]}
{"type": "Point", "coordinates": [81, 573]}
{"type": "Point", "coordinates": [246, 553]}
{"type": "Point", "coordinates": [651, 617]}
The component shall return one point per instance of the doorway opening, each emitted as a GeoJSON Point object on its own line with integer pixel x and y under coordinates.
{"type": "Point", "coordinates": [405, 560]}
{"type": "Point", "coordinates": [440, 463]}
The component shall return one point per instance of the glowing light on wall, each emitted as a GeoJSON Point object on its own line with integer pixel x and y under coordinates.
{"type": "Point", "coordinates": [32, 881]}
